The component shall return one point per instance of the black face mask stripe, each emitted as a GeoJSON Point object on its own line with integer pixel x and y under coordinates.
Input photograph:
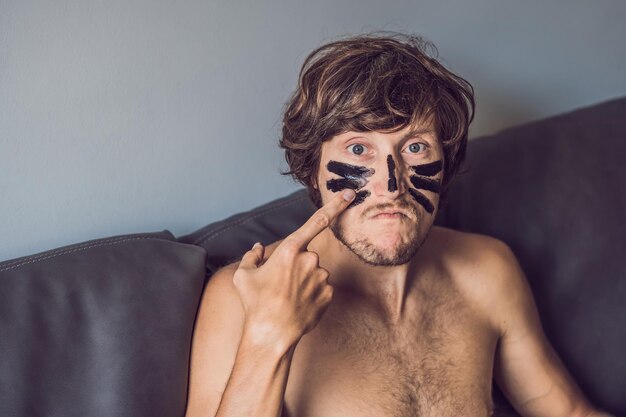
{"type": "Point", "coordinates": [422, 199]}
{"type": "Point", "coordinates": [338, 184]}
{"type": "Point", "coordinates": [425, 183]}
{"type": "Point", "coordinates": [392, 184]}
{"type": "Point", "coordinates": [353, 177]}
{"type": "Point", "coordinates": [360, 196]}
{"type": "Point", "coordinates": [353, 172]}
{"type": "Point", "coordinates": [428, 170]}
{"type": "Point", "coordinates": [425, 170]}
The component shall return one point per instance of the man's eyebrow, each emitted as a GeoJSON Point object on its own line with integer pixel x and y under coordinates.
{"type": "Point", "coordinates": [408, 135]}
{"type": "Point", "coordinates": [417, 132]}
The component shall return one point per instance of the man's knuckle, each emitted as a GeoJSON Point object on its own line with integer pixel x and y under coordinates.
{"type": "Point", "coordinates": [237, 279]}
{"type": "Point", "coordinates": [323, 274]}
{"type": "Point", "coordinates": [321, 219]}
{"type": "Point", "coordinates": [289, 247]}
{"type": "Point", "coordinates": [310, 259]}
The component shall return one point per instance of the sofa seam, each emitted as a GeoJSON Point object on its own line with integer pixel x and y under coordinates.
{"type": "Point", "coordinates": [79, 245]}
{"type": "Point", "coordinates": [37, 258]}
{"type": "Point", "coordinates": [215, 233]}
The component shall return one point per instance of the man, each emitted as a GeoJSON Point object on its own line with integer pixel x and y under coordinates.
{"type": "Point", "coordinates": [368, 309]}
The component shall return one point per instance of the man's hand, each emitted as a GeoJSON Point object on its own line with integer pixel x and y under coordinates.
{"type": "Point", "coordinates": [285, 297]}
{"type": "Point", "coordinates": [249, 322]}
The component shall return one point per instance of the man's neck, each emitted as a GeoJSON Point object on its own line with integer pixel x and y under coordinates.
{"type": "Point", "coordinates": [384, 287]}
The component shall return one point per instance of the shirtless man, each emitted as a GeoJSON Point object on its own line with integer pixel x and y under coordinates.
{"type": "Point", "coordinates": [368, 309]}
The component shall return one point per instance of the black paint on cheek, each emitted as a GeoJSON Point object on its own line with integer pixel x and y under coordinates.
{"type": "Point", "coordinates": [353, 172]}
{"type": "Point", "coordinates": [360, 196]}
{"type": "Point", "coordinates": [423, 200]}
{"type": "Point", "coordinates": [428, 170]}
{"type": "Point", "coordinates": [352, 176]}
{"type": "Point", "coordinates": [392, 184]}
{"type": "Point", "coordinates": [425, 170]}
{"type": "Point", "coordinates": [425, 183]}
{"type": "Point", "coordinates": [339, 184]}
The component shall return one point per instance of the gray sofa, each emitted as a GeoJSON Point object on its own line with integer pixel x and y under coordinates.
{"type": "Point", "coordinates": [103, 328]}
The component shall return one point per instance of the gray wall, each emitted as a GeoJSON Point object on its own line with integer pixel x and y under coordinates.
{"type": "Point", "coordinates": [132, 116]}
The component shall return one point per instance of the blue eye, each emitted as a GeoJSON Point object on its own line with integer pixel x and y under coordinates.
{"type": "Point", "coordinates": [414, 147]}
{"type": "Point", "coordinates": [357, 148]}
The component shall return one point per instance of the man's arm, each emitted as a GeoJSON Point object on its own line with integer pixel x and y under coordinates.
{"type": "Point", "coordinates": [216, 336]}
{"type": "Point", "coordinates": [527, 368]}
{"type": "Point", "coordinates": [251, 318]}
{"type": "Point", "coordinates": [224, 357]}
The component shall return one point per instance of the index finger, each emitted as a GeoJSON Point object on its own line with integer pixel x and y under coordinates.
{"type": "Point", "coordinates": [321, 219]}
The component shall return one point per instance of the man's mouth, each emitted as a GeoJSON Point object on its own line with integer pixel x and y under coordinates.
{"type": "Point", "coordinates": [390, 214]}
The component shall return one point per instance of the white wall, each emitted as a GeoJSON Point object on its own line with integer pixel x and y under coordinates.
{"type": "Point", "coordinates": [134, 116]}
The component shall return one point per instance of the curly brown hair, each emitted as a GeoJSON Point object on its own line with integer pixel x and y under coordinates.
{"type": "Point", "coordinates": [374, 82]}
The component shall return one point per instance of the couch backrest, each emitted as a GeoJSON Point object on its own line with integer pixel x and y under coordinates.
{"type": "Point", "coordinates": [227, 240]}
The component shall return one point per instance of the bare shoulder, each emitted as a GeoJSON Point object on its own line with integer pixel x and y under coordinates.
{"type": "Point", "coordinates": [483, 268]}
{"type": "Point", "coordinates": [220, 304]}
{"type": "Point", "coordinates": [464, 251]}
{"type": "Point", "coordinates": [466, 248]}
{"type": "Point", "coordinates": [220, 286]}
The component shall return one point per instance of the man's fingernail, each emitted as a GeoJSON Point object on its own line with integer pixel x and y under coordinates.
{"type": "Point", "coordinates": [348, 194]}
{"type": "Point", "coordinates": [256, 245]}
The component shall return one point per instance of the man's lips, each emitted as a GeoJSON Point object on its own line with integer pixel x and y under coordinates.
{"type": "Point", "coordinates": [391, 214]}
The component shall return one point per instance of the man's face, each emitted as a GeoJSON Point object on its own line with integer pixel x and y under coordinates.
{"type": "Point", "coordinates": [397, 177]}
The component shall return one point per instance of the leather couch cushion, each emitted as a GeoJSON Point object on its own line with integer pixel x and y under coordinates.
{"type": "Point", "coordinates": [101, 328]}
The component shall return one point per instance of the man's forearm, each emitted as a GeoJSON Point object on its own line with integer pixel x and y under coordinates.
{"type": "Point", "coordinates": [256, 387]}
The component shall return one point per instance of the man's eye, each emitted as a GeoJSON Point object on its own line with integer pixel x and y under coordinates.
{"type": "Point", "coordinates": [414, 147]}
{"type": "Point", "coordinates": [356, 149]}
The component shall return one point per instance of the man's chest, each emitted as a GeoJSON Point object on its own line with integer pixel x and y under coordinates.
{"type": "Point", "coordinates": [439, 363]}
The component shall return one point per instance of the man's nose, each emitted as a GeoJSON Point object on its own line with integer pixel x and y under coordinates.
{"type": "Point", "coordinates": [389, 174]}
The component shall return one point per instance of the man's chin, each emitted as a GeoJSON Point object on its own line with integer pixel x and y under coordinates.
{"type": "Point", "coordinates": [384, 257]}
{"type": "Point", "coordinates": [387, 251]}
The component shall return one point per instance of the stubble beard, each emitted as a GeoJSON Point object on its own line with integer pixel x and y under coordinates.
{"type": "Point", "coordinates": [371, 255]}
